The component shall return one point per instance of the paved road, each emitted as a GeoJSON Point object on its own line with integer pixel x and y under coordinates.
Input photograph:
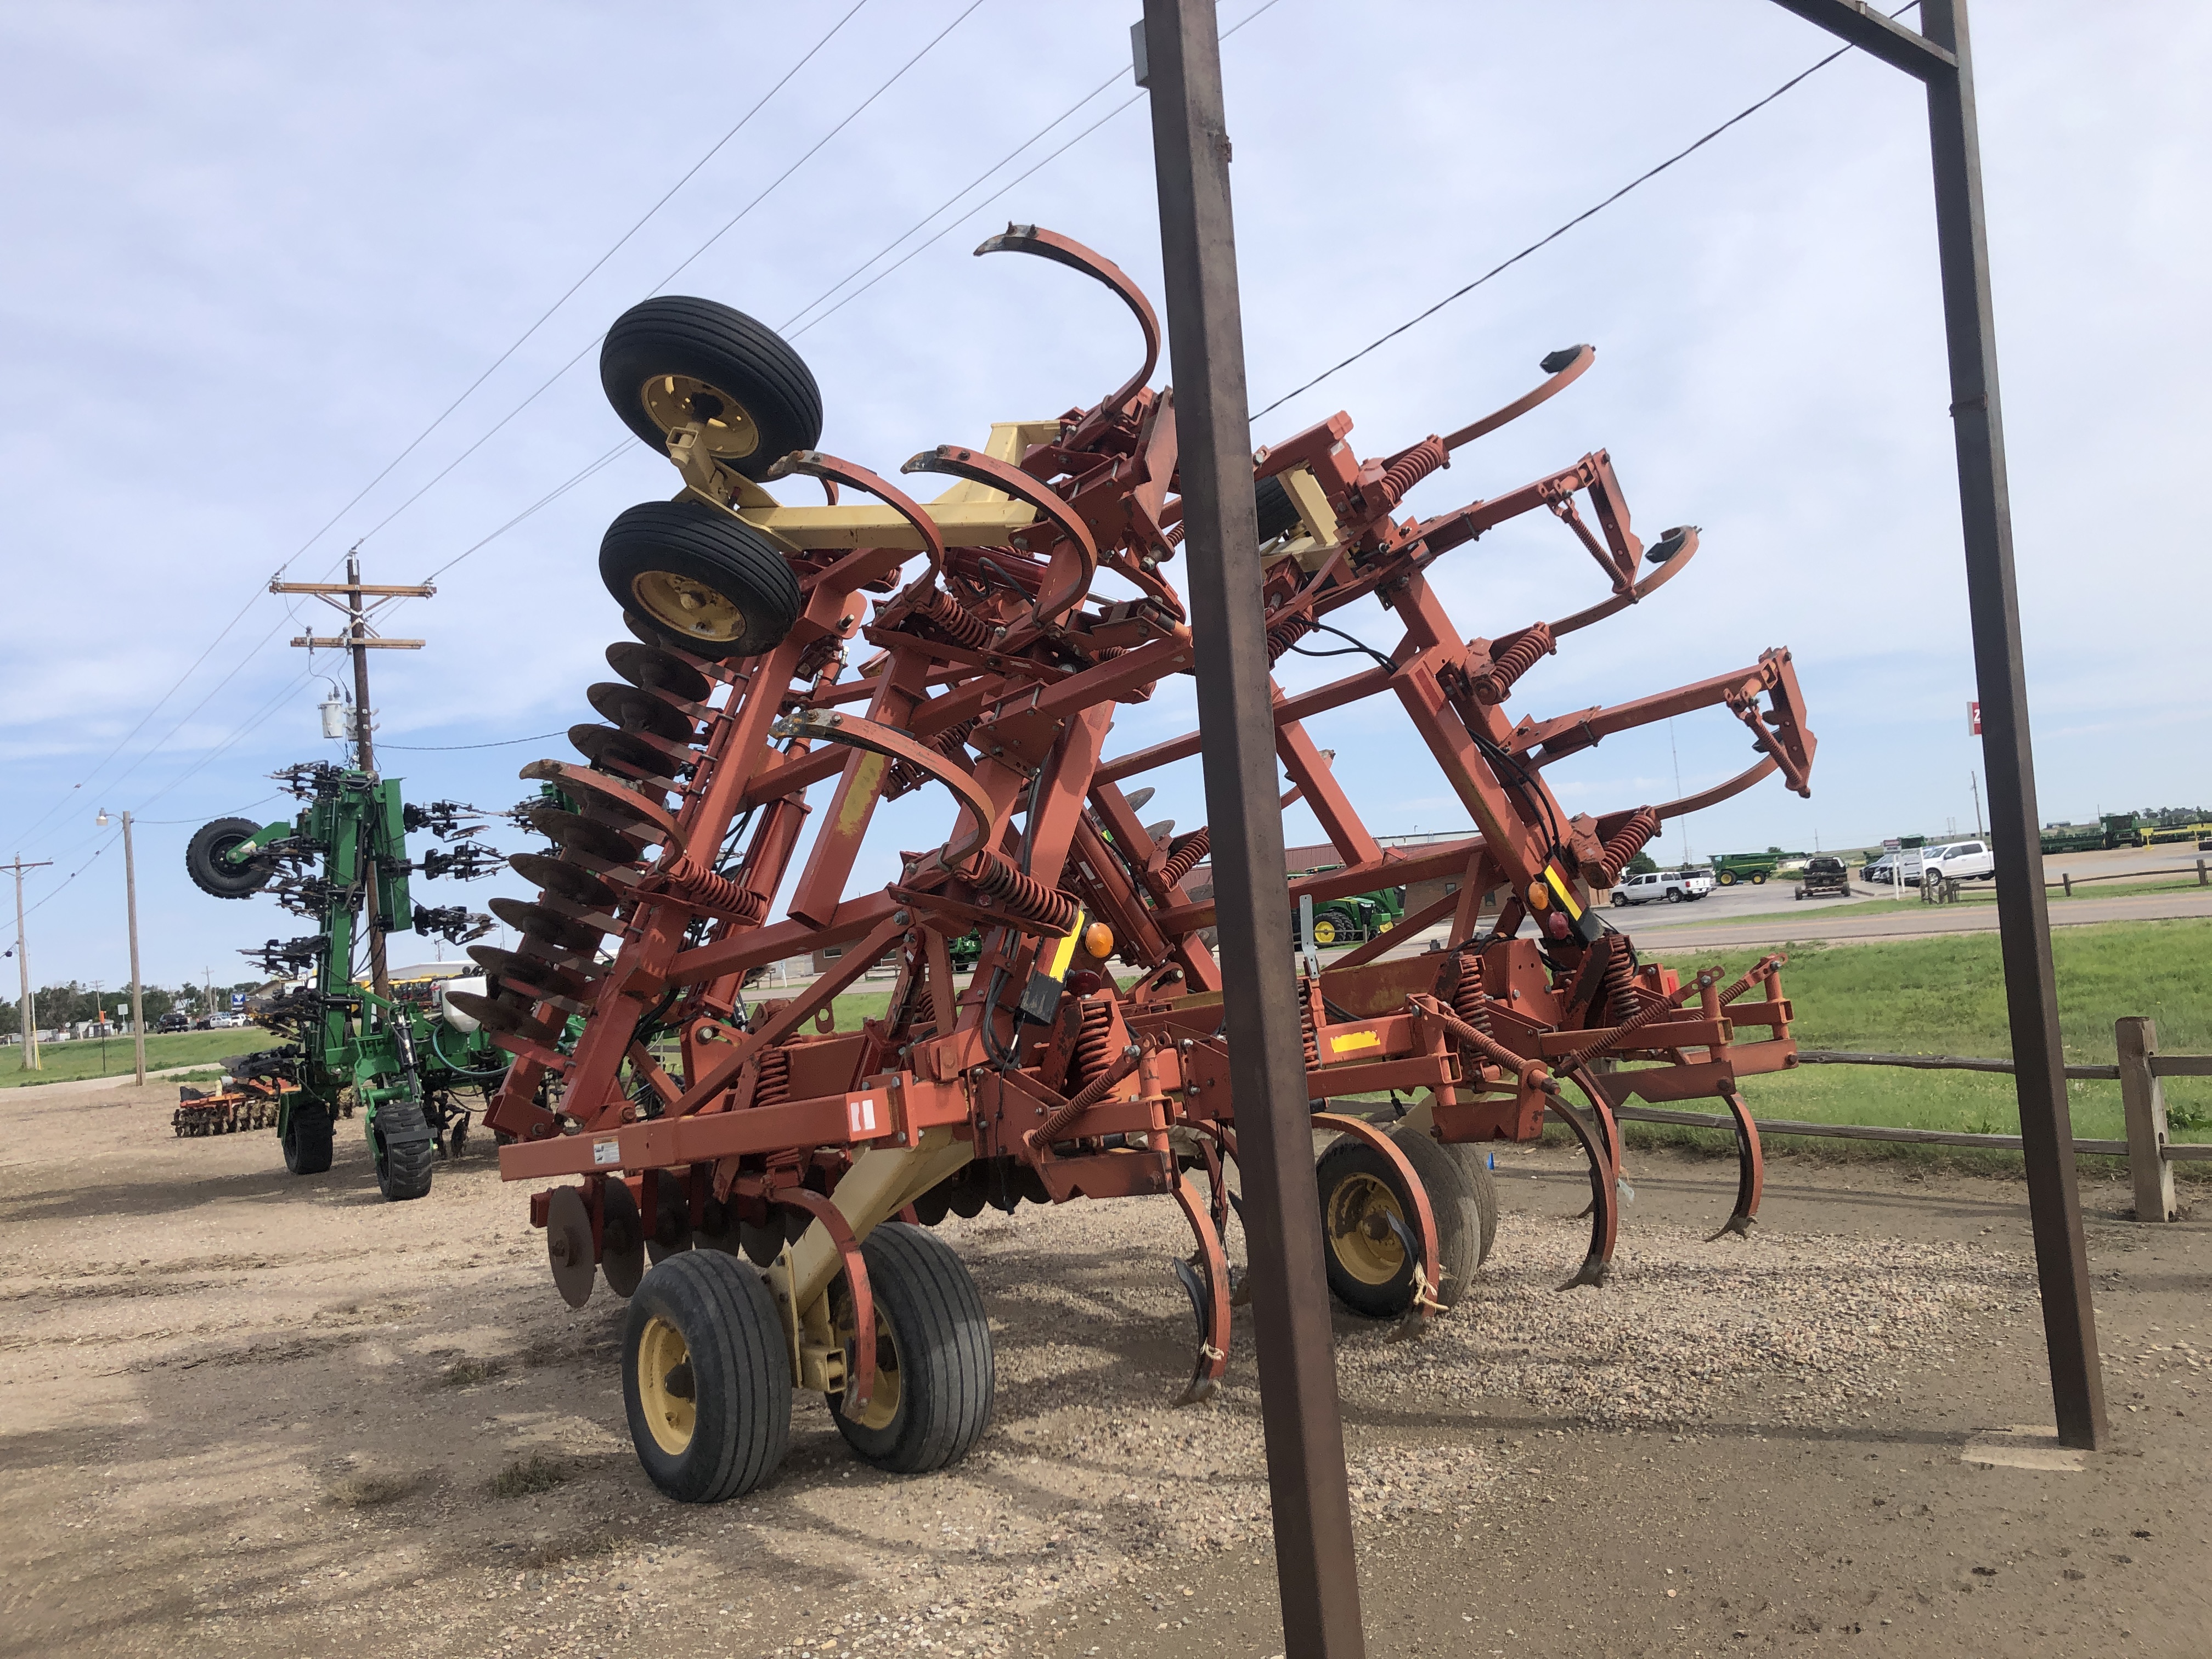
{"type": "Point", "coordinates": [1840, 926]}
{"type": "Point", "coordinates": [1767, 916]}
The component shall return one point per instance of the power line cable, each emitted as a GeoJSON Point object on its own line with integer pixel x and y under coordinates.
{"type": "Point", "coordinates": [951, 200]}
{"type": "Point", "coordinates": [1587, 212]}
{"type": "Point", "coordinates": [569, 293]}
{"type": "Point", "coordinates": [440, 475]}
{"type": "Point", "coordinates": [442, 748]}
{"type": "Point", "coordinates": [1127, 103]}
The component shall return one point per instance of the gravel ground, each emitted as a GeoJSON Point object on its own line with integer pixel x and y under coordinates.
{"type": "Point", "coordinates": [243, 1413]}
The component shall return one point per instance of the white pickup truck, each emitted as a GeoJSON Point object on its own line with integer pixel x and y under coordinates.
{"type": "Point", "coordinates": [1961, 861]}
{"type": "Point", "coordinates": [1674, 886]}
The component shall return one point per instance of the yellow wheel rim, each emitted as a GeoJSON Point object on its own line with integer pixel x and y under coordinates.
{"type": "Point", "coordinates": [1359, 1232]}
{"type": "Point", "coordinates": [883, 1400]}
{"type": "Point", "coordinates": [1324, 932]}
{"type": "Point", "coordinates": [666, 1391]}
{"type": "Point", "coordinates": [684, 605]}
{"type": "Point", "coordinates": [674, 400]}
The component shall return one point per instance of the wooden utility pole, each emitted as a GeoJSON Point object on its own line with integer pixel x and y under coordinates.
{"type": "Point", "coordinates": [1179, 62]}
{"type": "Point", "coordinates": [23, 965]}
{"type": "Point", "coordinates": [356, 599]}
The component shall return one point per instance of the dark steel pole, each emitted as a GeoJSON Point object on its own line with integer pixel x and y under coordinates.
{"type": "Point", "coordinates": [1305, 1429]}
{"type": "Point", "coordinates": [2046, 1130]}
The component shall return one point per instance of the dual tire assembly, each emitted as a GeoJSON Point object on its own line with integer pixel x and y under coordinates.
{"type": "Point", "coordinates": [1367, 1220]}
{"type": "Point", "coordinates": [707, 1367]}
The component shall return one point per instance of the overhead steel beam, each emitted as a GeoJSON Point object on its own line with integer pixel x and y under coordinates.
{"type": "Point", "coordinates": [1878, 36]}
{"type": "Point", "coordinates": [1180, 60]}
{"type": "Point", "coordinates": [2046, 1123]}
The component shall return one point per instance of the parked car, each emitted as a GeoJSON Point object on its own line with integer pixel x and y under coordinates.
{"type": "Point", "coordinates": [1825, 877]}
{"type": "Point", "coordinates": [1961, 861]}
{"type": "Point", "coordinates": [173, 1021]}
{"type": "Point", "coordinates": [1672, 886]}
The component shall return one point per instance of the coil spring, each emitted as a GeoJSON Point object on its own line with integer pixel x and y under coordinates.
{"type": "Point", "coordinates": [775, 1085]}
{"type": "Point", "coordinates": [904, 777]}
{"type": "Point", "coordinates": [1184, 852]}
{"type": "Point", "coordinates": [1510, 664]}
{"type": "Point", "coordinates": [1094, 1043]}
{"type": "Point", "coordinates": [1620, 984]}
{"type": "Point", "coordinates": [1287, 633]}
{"type": "Point", "coordinates": [1628, 841]}
{"type": "Point", "coordinates": [961, 624]}
{"type": "Point", "coordinates": [703, 889]}
{"type": "Point", "coordinates": [1025, 898]}
{"type": "Point", "coordinates": [1411, 467]}
{"type": "Point", "coordinates": [1468, 1001]}
{"type": "Point", "coordinates": [1307, 1036]}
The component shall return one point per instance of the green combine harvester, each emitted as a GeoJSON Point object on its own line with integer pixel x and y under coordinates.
{"type": "Point", "coordinates": [1729, 868]}
{"type": "Point", "coordinates": [2112, 829]}
{"type": "Point", "coordinates": [395, 1055]}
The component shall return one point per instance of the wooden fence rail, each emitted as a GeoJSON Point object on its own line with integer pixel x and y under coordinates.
{"type": "Point", "coordinates": [2150, 1154]}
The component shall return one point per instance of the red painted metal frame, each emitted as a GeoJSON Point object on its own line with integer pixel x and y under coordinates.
{"type": "Point", "coordinates": [995, 675]}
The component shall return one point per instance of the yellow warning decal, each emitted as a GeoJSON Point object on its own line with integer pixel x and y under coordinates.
{"type": "Point", "coordinates": [1566, 897]}
{"type": "Point", "coordinates": [1064, 951]}
{"type": "Point", "coordinates": [1355, 1040]}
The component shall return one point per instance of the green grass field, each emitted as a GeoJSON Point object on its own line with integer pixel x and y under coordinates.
{"type": "Point", "coordinates": [1945, 996]}
{"type": "Point", "coordinates": [60, 1061]}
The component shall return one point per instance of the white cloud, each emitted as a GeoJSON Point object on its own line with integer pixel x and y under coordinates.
{"type": "Point", "coordinates": [255, 249]}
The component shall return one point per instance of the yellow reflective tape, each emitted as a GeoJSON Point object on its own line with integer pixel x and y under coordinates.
{"type": "Point", "coordinates": [1574, 910]}
{"type": "Point", "coordinates": [1355, 1040]}
{"type": "Point", "coordinates": [1063, 952]}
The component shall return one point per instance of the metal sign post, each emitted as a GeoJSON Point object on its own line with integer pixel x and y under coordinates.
{"type": "Point", "coordinates": [1942, 59]}
{"type": "Point", "coordinates": [1179, 59]}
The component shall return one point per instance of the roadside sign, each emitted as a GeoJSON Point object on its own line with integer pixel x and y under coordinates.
{"type": "Point", "coordinates": [238, 999]}
{"type": "Point", "coordinates": [1974, 720]}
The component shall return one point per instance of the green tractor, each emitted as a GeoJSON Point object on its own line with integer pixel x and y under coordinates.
{"type": "Point", "coordinates": [395, 1055]}
{"type": "Point", "coordinates": [1355, 919]}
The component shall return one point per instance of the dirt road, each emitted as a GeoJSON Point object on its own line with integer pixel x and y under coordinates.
{"type": "Point", "coordinates": [242, 1413]}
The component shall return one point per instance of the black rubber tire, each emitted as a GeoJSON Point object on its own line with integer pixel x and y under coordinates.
{"type": "Point", "coordinates": [1451, 1201]}
{"type": "Point", "coordinates": [1277, 513]}
{"type": "Point", "coordinates": [218, 879]}
{"type": "Point", "coordinates": [308, 1138]}
{"type": "Point", "coordinates": [740, 1376]}
{"type": "Point", "coordinates": [744, 358]}
{"type": "Point", "coordinates": [403, 1171]}
{"type": "Point", "coordinates": [1675, 896]}
{"type": "Point", "coordinates": [1343, 928]}
{"type": "Point", "coordinates": [1759, 878]}
{"type": "Point", "coordinates": [940, 1340]}
{"type": "Point", "coordinates": [1726, 878]}
{"type": "Point", "coordinates": [1620, 901]}
{"type": "Point", "coordinates": [706, 545]}
{"type": "Point", "coordinates": [1474, 1168]}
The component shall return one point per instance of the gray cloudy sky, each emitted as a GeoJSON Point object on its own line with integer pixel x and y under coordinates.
{"type": "Point", "coordinates": [254, 250]}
